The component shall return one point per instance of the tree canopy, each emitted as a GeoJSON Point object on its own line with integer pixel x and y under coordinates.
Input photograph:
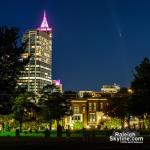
{"type": "Point", "coordinates": [24, 108]}
{"type": "Point", "coordinates": [11, 64]}
{"type": "Point", "coordinates": [140, 100]}
{"type": "Point", "coordinates": [118, 107]}
{"type": "Point", "coordinates": [54, 106]}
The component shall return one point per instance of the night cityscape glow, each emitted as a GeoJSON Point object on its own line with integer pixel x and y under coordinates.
{"type": "Point", "coordinates": [102, 41]}
{"type": "Point", "coordinates": [76, 74]}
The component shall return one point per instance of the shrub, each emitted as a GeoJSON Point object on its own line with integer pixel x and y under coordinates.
{"type": "Point", "coordinates": [78, 125]}
{"type": "Point", "coordinates": [113, 123]}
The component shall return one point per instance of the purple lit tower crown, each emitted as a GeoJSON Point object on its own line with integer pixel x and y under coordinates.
{"type": "Point", "coordinates": [44, 26]}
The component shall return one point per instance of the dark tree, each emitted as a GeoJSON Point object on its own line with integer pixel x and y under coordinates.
{"type": "Point", "coordinates": [54, 106]}
{"type": "Point", "coordinates": [24, 108]}
{"type": "Point", "coordinates": [11, 63]}
{"type": "Point", "coordinates": [52, 88]}
{"type": "Point", "coordinates": [123, 91]}
{"type": "Point", "coordinates": [118, 107]}
{"type": "Point", "coordinates": [140, 100]}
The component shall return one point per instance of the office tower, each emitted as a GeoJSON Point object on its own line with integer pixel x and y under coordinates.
{"type": "Point", "coordinates": [38, 72]}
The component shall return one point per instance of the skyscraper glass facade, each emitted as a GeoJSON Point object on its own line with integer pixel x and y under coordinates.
{"type": "Point", "coordinates": [38, 72]}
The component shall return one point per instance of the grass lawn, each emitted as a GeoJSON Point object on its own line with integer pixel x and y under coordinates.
{"type": "Point", "coordinates": [39, 134]}
{"type": "Point", "coordinates": [21, 134]}
{"type": "Point", "coordinates": [54, 134]}
{"type": "Point", "coordinates": [76, 141]}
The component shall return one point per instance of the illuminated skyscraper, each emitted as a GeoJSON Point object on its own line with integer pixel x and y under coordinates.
{"type": "Point", "coordinates": [38, 72]}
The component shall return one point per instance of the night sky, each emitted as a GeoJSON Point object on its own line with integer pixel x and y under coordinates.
{"type": "Point", "coordinates": [95, 42]}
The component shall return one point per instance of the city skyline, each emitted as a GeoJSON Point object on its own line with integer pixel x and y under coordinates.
{"type": "Point", "coordinates": [94, 43]}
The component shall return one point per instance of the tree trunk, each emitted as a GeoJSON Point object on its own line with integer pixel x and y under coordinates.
{"type": "Point", "coordinates": [122, 123]}
{"type": "Point", "coordinates": [128, 122]}
{"type": "Point", "coordinates": [57, 122]}
{"type": "Point", "coordinates": [59, 129]}
{"type": "Point", "coordinates": [20, 127]}
{"type": "Point", "coordinates": [142, 122]}
{"type": "Point", "coordinates": [50, 126]}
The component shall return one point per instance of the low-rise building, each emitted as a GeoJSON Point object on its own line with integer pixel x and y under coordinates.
{"type": "Point", "coordinates": [83, 94]}
{"type": "Point", "coordinates": [89, 111]}
{"type": "Point", "coordinates": [110, 88]}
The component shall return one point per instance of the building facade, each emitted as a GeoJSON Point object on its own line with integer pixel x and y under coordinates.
{"type": "Point", "coordinates": [38, 72]}
{"type": "Point", "coordinates": [82, 94]}
{"type": "Point", "coordinates": [92, 111]}
{"type": "Point", "coordinates": [89, 111]}
{"type": "Point", "coordinates": [110, 88]}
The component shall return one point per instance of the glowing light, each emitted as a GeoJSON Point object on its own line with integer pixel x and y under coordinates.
{"type": "Point", "coordinates": [44, 25]}
{"type": "Point", "coordinates": [125, 125]}
{"type": "Point", "coordinates": [57, 82]}
{"type": "Point", "coordinates": [99, 117]}
{"type": "Point", "coordinates": [44, 22]}
{"type": "Point", "coordinates": [104, 117]}
{"type": "Point", "coordinates": [130, 90]}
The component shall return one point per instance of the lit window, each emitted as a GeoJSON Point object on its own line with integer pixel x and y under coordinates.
{"type": "Point", "coordinates": [94, 106]}
{"type": "Point", "coordinates": [90, 106]}
{"type": "Point", "coordinates": [76, 118]}
{"type": "Point", "coordinates": [101, 105]}
{"type": "Point", "coordinates": [107, 105]}
{"type": "Point", "coordinates": [92, 118]}
{"type": "Point", "coordinates": [76, 109]}
{"type": "Point", "coordinates": [83, 109]}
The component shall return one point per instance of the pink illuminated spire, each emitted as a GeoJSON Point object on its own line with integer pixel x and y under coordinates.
{"type": "Point", "coordinates": [44, 22]}
{"type": "Point", "coordinates": [44, 25]}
